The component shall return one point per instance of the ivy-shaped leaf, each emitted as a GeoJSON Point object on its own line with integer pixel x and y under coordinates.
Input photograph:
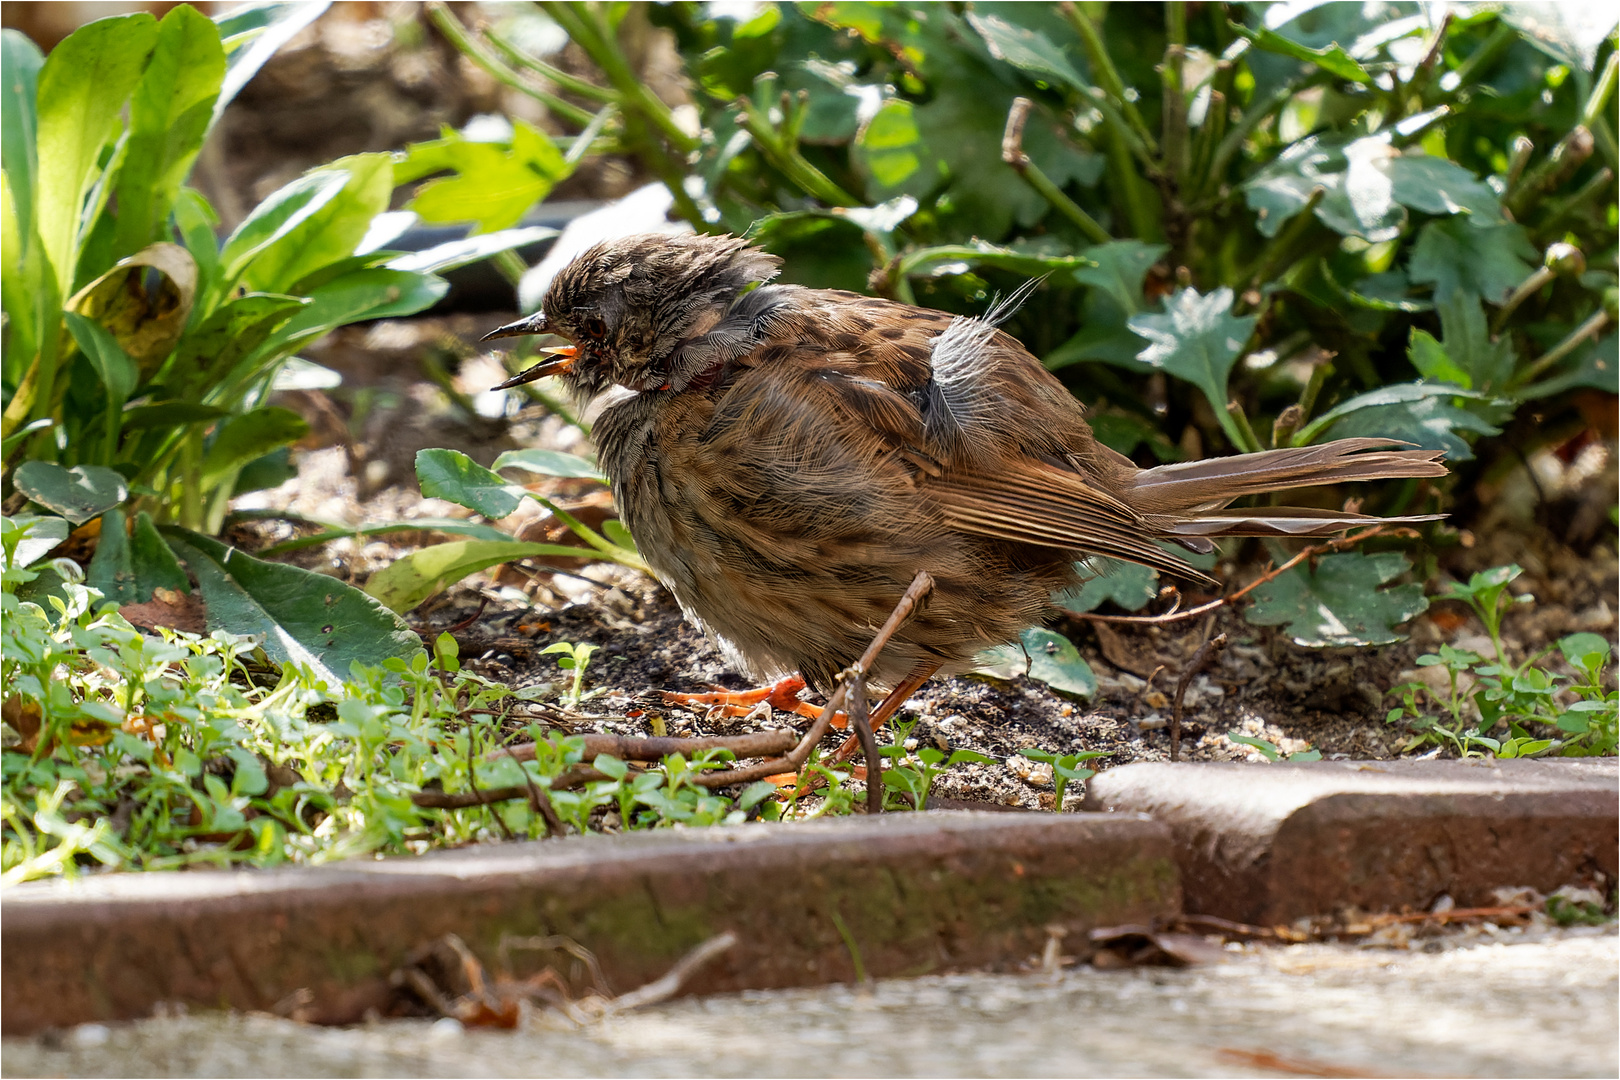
{"type": "Point", "coordinates": [1341, 601]}
{"type": "Point", "coordinates": [1130, 585]}
{"type": "Point", "coordinates": [1044, 656]}
{"type": "Point", "coordinates": [1488, 262]}
{"type": "Point", "coordinates": [1198, 339]}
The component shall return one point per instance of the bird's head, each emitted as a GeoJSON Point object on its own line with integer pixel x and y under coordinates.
{"type": "Point", "coordinates": [628, 305]}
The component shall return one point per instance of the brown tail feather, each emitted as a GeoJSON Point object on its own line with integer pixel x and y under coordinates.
{"type": "Point", "coordinates": [1214, 482]}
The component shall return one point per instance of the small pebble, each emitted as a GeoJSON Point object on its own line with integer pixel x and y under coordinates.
{"type": "Point", "coordinates": [92, 1035]}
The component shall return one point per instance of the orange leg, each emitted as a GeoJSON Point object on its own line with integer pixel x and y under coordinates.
{"type": "Point", "coordinates": [784, 695]}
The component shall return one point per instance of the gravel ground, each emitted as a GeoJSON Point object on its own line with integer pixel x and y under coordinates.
{"type": "Point", "coordinates": [1475, 1004]}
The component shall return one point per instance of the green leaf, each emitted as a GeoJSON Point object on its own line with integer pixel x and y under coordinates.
{"type": "Point", "coordinates": [168, 117]}
{"type": "Point", "coordinates": [363, 294]}
{"type": "Point", "coordinates": [408, 581]}
{"type": "Point", "coordinates": [455, 477]}
{"type": "Point", "coordinates": [20, 59]}
{"type": "Point", "coordinates": [252, 34]}
{"type": "Point", "coordinates": [231, 332]}
{"type": "Point", "coordinates": [1418, 413]}
{"type": "Point", "coordinates": [299, 616]}
{"type": "Point", "coordinates": [1341, 602]}
{"type": "Point", "coordinates": [1051, 658]}
{"type": "Point", "coordinates": [277, 216]}
{"type": "Point", "coordinates": [248, 436]}
{"type": "Point", "coordinates": [43, 534]}
{"type": "Point", "coordinates": [331, 232]}
{"type": "Point", "coordinates": [1593, 364]}
{"type": "Point", "coordinates": [1434, 185]}
{"type": "Point", "coordinates": [1198, 339]}
{"type": "Point", "coordinates": [118, 372]}
{"type": "Point", "coordinates": [1488, 262]}
{"type": "Point", "coordinates": [548, 463]}
{"type": "Point", "coordinates": [170, 414]}
{"type": "Point", "coordinates": [1119, 269]}
{"type": "Point", "coordinates": [82, 87]}
{"type": "Point", "coordinates": [1488, 364]}
{"type": "Point", "coordinates": [127, 569]}
{"type": "Point", "coordinates": [1332, 59]}
{"type": "Point", "coordinates": [1128, 584]}
{"type": "Point", "coordinates": [494, 186]}
{"type": "Point", "coordinates": [889, 149]}
{"type": "Point", "coordinates": [948, 259]}
{"type": "Point", "coordinates": [333, 531]}
{"type": "Point", "coordinates": [78, 494]}
{"type": "Point", "coordinates": [1027, 49]}
{"type": "Point", "coordinates": [456, 253]}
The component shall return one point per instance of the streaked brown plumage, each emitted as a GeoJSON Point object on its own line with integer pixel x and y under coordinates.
{"type": "Point", "coordinates": [787, 459]}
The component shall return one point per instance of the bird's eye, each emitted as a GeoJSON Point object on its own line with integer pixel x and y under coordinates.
{"type": "Point", "coordinates": [594, 328]}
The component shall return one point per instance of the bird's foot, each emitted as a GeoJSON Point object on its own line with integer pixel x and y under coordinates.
{"type": "Point", "coordinates": [783, 695]}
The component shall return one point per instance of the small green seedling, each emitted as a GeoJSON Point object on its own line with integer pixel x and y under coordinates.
{"type": "Point", "coordinates": [1270, 751]}
{"type": "Point", "coordinates": [1066, 769]}
{"type": "Point", "coordinates": [576, 659]}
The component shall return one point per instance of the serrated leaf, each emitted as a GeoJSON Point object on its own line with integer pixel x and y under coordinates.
{"type": "Point", "coordinates": [549, 463]}
{"type": "Point", "coordinates": [1197, 339]}
{"type": "Point", "coordinates": [455, 477]}
{"type": "Point", "coordinates": [78, 494]}
{"type": "Point", "coordinates": [1489, 262]}
{"type": "Point", "coordinates": [408, 581]}
{"type": "Point", "coordinates": [1332, 59]}
{"type": "Point", "coordinates": [1049, 657]}
{"type": "Point", "coordinates": [1341, 601]}
{"type": "Point", "coordinates": [1118, 270]}
{"type": "Point", "coordinates": [1420, 413]}
{"type": "Point", "coordinates": [300, 617]}
{"type": "Point", "coordinates": [494, 185]}
{"type": "Point", "coordinates": [1130, 585]}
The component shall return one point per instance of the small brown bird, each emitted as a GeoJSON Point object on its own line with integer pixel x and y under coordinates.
{"type": "Point", "coordinates": [788, 458]}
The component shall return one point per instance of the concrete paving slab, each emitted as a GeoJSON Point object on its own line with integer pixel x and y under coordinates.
{"type": "Point", "coordinates": [911, 893]}
{"type": "Point", "coordinates": [1270, 843]}
{"type": "Point", "coordinates": [1534, 1008]}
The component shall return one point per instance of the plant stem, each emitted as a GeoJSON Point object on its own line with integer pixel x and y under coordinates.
{"type": "Point", "coordinates": [474, 50]}
{"type": "Point", "coordinates": [562, 79]}
{"type": "Point", "coordinates": [785, 156]}
{"type": "Point", "coordinates": [1587, 192]}
{"type": "Point", "coordinates": [1276, 254]}
{"type": "Point", "coordinates": [588, 27]}
{"type": "Point", "coordinates": [1587, 329]}
{"type": "Point", "coordinates": [1175, 97]}
{"type": "Point", "coordinates": [1107, 75]}
{"type": "Point", "coordinates": [1247, 440]}
{"type": "Point", "coordinates": [1012, 152]}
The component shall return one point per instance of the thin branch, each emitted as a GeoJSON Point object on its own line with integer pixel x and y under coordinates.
{"type": "Point", "coordinates": [1206, 653]}
{"type": "Point", "coordinates": [628, 748]}
{"type": "Point", "coordinates": [1012, 152]}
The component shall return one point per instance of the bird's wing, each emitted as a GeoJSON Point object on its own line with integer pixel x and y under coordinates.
{"type": "Point", "coordinates": [994, 443]}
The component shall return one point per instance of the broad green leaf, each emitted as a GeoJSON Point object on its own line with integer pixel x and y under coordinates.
{"type": "Point", "coordinates": [1341, 601]}
{"type": "Point", "coordinates": [1128, 584]}
{"type": "Point", "coordinates": [455, 477]}
{"type": "Point", "coordinates": [266, 471]}
{"type": "Point", "coordinates": [449, 256]}
{"type": "Point", "coordinates": [1051, 658]}
{"type": "Point", "coordinates": [278, 215]}
{"type": "Point", "coordinates": [299, 616]}
{"type": "Point", "coordinates": [233, 331]}
{"type": "Point", "coordinates": [43, 534]}
{"type": "Point", "coordinates": [1488, 364]}
{"type": "Point", "coordinates": [1119, 270]}
{"type": "Point", "coordinates": [548, 463]}
{"type": "Point", "coordinates": [408, 581]}
{"type": "Point", "coordinates": [248, 436]}
{"type": "Point", "coordinates": [1332, 59]}
{"type": "Point", "coordinates": [82, 87]}
{"type": "Point", "coordinates": [1420, 413]}
{"type": "Point", "coordinates": [1197, 339]}
{"type": "Point", "coordinates": [20, 60]}
{"type": "Point", "coordinates": [494, 186]}
{"type": "Point", "coordinates": [128, 568]}
{"type": "Point", "coordinates": [1434, 185]}
{"type": "Point", "coordinates": [331, 232]}
{"type": "Point", "coordinates": [889, 148]}
{"type": "Point", "coordinates": [197, 224]}
{"type": "Point", "coordinates": [1431, 361]}
{"type": "Point", "coordinates": [1488, 262]}
{"type": "Point", "coordinates": [78, 494]}
{"type": "Point", "coordinates": [169, 115]}
{"type": "Point", "coordinates": [118, 372]}
{"type": "Point", "coordinates": [147, 324]}
{"type": "Point", "coordinates": [374, 293]}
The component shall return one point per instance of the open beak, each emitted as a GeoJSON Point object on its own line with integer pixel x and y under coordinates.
{"type": "Point", "coordinates": [534, 324]}
{"type": "Point", "coordinates": [562, 359]}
